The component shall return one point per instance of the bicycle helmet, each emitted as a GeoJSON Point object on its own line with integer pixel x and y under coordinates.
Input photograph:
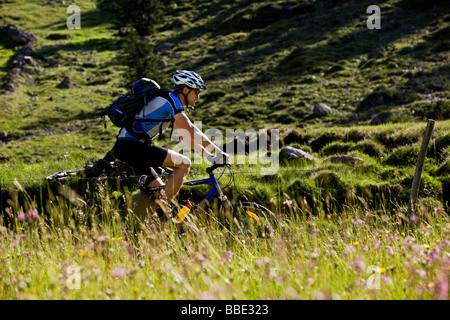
{"type": "Point", "coordinates": [188, 78]}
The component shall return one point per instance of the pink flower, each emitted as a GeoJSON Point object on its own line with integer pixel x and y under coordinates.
{"type": "Point", "coordinates": [21, 216]}
{"type": "Point", "coordinates": [421, 273]}
{"type": "Point", "coordinates": [357, 222]}
{"type": "Point", "coordinates": [360, 265]}
{"type": "Point", "coordinates": [442, 285]}
{"type": "Point", "coordinates": [391, 251]}
{"type": "Point", "coordinates": [33, 214]}
{"type": "Point", "coordinates": [272, 274]}
{"type": "Point", "coordinates": [119, 272]}
{"type": "Point", "coordinates": [413, 218]}
{"type": "Point", "coordinates": [387, 279]}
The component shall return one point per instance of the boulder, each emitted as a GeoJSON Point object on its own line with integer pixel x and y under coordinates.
{"type": "Point", "coordinates": [343, 159]}
{"type": "Point", "coordinates": [65, 84]}
{"type": "Point", "coordinates": [320, 109]}
{"type": "Point", "coordinates": [18, 37]}
{"type": "Point", "coordinates": [291, 154]}
{"type": "Point", "coordinates": [163, 47]}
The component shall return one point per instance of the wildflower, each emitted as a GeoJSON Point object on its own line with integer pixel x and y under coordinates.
{"type": "Point", "coordinates": [349, 249]}
{"type": "Point", "coordinates": [393, 239]}
{"type": "Point", "coordinates": [387, 279]}
{"type": "Point", "coordinates": [442, 285]}
{"type": "Point", "coordinates": [118, 239]}
{"type": "Point", "coordinates": [119, 272]}
{"type": "Point", "coordinates": [413, 218]}
{"type": "Point", "coordinates": [360, 265]}
{"type": "Point", "coordinates": [83, 253]}
{"type": "Point", "coordinates": [381, 270]}
{"type": "Point", "coordinates": [430, 285]}
{"type": "Point", "coordinates": [403, 234]}
{"type": "Point", "coordinates": [21, 216]}
{"type": "Point", "coordinates": [426, 247]}
{"type": "Point", "coordinates": [272, 274]}
{"type": "Point", "coordinates": [376, 234]}
{"type": "Point", "coordinates": [377, 244]}
{"type": "Point", "coordinates": [135, 289]}
{"type": "Point", "coordinates": [435, 209]}
{"type": "Point", "coordinates": [288, 202]}
{"type": "Point", "coordinates": [355, 243]}
{"type": "Point", "coordinates": [357, 222]}
{"type": "Point", "coordinates": [421, 273]}
{"type": "Point", "coordinates": [390, 251]}
{"type": "Point", "coordinates": [33, 214]}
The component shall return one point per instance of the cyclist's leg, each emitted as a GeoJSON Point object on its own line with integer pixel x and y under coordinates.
{"type": "Point", "coordinates": [181, 166]}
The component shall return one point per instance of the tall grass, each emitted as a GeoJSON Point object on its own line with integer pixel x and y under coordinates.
{"type": "Point", "coordinates": [83, 250]}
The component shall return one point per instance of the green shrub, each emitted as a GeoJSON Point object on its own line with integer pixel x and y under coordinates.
{"type": "Point", "coordinates": [324, 139]}
{"type": "Point", "coordinates": [403, 156]}
{"type": "Point", "coordinates": [370, 148]}
{"type": "Point", "coordinates": [436, 110]}
{"type": "Point", "coordinates": [336, 148]}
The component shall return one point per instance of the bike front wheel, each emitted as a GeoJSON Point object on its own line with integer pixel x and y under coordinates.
{"type": "Point", "coordinates": [254, 220]}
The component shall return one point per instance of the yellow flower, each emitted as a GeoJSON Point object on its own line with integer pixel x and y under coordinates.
{"type": "Point", "coordinates": [426, 247]}
{"type": "Point", "coordinates": [135, 289]}
{"type": "Point", "coordinates": [313, 224]}
{"type": "Point", "coordinates": [83, 253]}
{"type": "Point", "coordinates": [355, 243]}
{"type": "Point", "coordinates": [403, 234]}
{"type": "Point", "coordinates": [381, 270]}
{"type": "Point", "coordinates": [118, 239]}
{"type": "Point", "coordinates": [430, 285]}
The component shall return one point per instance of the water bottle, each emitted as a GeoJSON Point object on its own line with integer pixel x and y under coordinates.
{"type": "Point", "coordinates": [182, 214]}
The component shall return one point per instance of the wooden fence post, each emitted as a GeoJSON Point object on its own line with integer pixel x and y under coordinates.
{"type": "Point", "coordinates": [419, 167]}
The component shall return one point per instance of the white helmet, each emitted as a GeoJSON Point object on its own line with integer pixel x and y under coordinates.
{"type": "Point", "coordinates": [188, 78]}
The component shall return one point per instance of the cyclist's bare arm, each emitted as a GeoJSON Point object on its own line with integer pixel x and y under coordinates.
{"type": "Point", "coordinates": [183, 124]}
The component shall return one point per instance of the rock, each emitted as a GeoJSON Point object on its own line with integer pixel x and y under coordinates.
{"type": "Point", "coordinates": [234, 55]}
{"type": "Point", "coordinates": [343, 159]}
{"type": "Point", "coordinates": [19, 37]}
{"type": "Point", "coordinates": [320, 109]}
{"type": "Point", "coordinates": [59, 36]}
{"type": "Point", "coordinates": [163, 64]}
{"type": "Point", "coordinates": [289, 154]}
{"type": "Point", "coordinates": [376, 53]}
{"type": "Point", "coordinates": [3, 135]}
{"type": "Point", "coordinates": [177, 24]}
{"type": "Point", "coordinates": [65, 84]}
{"type": "Point", "coordinates": [381, 118]}
{"type": "Point", "coordinates": [163, 47]}
{"type": "Point", "coordinates": [379, 96]}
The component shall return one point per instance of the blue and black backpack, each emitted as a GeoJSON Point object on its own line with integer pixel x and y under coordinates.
{"type": "Point", "coordinates": [122, 112]}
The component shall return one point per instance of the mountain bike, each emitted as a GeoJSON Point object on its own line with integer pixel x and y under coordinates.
{"type": "Point", "coordinates": [248, 218]}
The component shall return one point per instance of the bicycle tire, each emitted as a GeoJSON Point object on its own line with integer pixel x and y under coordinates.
{"type": "Point", "coordinates": [254, 220]}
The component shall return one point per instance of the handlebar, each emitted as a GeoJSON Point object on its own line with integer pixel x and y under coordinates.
{"type": "Point", "coordinates": [215, 166]}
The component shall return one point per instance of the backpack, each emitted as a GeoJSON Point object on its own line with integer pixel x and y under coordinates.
{"type": "Point", "coordinates": [122, 112]}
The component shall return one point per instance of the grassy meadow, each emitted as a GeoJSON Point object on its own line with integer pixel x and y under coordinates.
{"type": "Point", "coordinates": [341, 230]}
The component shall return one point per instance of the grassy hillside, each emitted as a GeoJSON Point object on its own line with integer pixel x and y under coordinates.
{"type": "Point", "coordinates": [265, 64]}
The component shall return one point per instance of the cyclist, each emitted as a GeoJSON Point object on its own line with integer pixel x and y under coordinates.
{"type": "Point", "coordinates": [142, 155]}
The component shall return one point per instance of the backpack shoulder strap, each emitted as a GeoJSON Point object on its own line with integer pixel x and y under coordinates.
{"type": "Point", "coordinates": [166, 95]}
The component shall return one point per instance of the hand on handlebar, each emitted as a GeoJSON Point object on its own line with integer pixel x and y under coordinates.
{"type": "Point", "coordinates": [220, 158]}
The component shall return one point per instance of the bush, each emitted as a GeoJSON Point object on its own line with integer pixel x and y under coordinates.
{"type": "Point", "coordinates": [336, 148]}
{"type": "Point", "coordinates": [140, 60]}
{"type": "Point", "coordinates": [403, 156]}
{"type": "Point", "coordinates": [370, 148]}
{"type": "Point", "coordinates": [323, 140]}
{"type": "Point", "coordinates": [436, 110]}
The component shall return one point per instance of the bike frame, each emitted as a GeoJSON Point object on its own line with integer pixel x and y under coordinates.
{"type": "Point", "coordinates": [215, 190]}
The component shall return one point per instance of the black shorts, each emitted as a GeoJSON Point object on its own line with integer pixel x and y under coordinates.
{"type": "Point", "coordinates": [142, 157]}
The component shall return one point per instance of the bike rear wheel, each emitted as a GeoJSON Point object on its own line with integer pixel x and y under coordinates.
{"type": "Point", "coordinates": [254, 220]}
